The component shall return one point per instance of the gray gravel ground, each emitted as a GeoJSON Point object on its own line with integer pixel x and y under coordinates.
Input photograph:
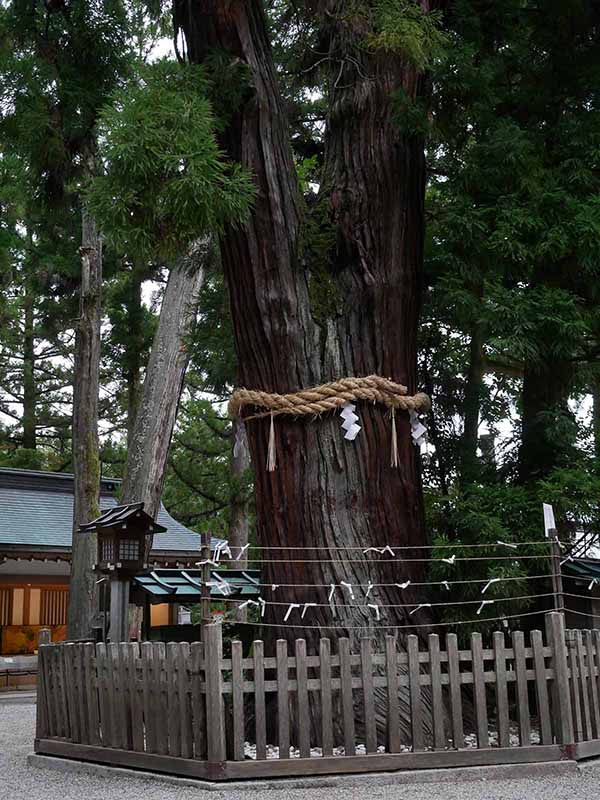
{"type": "Point", "coordinates": [18, 781]}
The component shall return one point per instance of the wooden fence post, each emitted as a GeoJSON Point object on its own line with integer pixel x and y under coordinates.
{"type": "Point", "coordinates": [42, 714]}
{"type": "Point", "coordinates": [44, 636]}
{"type": "Point", "coordinates": [215, 723]}
{"type": "Point", "coordinates": [561, 697]}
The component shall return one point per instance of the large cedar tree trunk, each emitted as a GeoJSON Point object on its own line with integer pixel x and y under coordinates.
{"type": "Point", "coordinates": [157, 410]}
{"type": "Point", "coordinates": [86, 461]}
{"type": "Point", "coordinates": [360, 319]}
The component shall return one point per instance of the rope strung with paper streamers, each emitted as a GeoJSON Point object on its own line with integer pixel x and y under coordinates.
{"type": "Point", "coordinates": [340, 394]}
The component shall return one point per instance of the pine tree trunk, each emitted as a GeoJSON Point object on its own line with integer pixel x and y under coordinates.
{"type": "Point", "coordinates": [239, 523]}
{"type": "Point", "coordinates": [469, 463]}
{"type": "Point", "coordinates": [133, 349]}
{"type": "Point", "coordinates": [546, 418]}
{"type": "Point", "coordinates": [596, 419]}
{"type": "Point", "coordinates": [86, 460]}
{"type": "Point", "coordinates": [157, 411]}
{"type": "Point", "coordinates": [29, 388]}
{"type": "Point", "coordinates": [302, 317]}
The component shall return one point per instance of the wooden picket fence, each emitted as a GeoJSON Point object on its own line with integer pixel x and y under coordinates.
{"type": "Point", "coordinates": [187, 710]}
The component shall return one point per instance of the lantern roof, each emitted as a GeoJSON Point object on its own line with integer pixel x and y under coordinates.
{"type": "Point", "coordinates": [119, 516]}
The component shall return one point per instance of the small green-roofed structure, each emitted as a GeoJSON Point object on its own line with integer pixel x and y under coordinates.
{"type": "Point", "coordinates": [581, 581]}
{"type": "Point", "coordinates": [185, 585]}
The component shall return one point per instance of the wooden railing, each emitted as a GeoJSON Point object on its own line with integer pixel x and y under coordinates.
{"type": "Point", "coordinates": [186, 709]}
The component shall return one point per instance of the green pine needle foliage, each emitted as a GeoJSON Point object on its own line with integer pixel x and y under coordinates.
{"type": "Point", "coordinates": [401, 26]}
{"type": "Point", "coordinates": [166, 180]}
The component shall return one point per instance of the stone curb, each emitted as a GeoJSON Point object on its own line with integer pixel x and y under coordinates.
{"type": "Point", "coordinates": [18, 698]}
{"type": "Point", "coordinates": [453, 775]}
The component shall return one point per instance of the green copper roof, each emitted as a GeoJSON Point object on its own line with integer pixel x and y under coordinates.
{"type": "Point", "coordinates": [586, 569]}
{"type": "Point", "coordinates": [178, 585]}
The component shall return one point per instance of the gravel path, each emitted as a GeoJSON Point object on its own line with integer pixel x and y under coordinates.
{"type": "Point", "coordinates": [20, 782]}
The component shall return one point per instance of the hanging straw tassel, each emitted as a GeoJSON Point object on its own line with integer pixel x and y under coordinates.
{"type": "Point", "coordinates": [271, 454]}
{"type": "Point", "coordinates": [394, 449]}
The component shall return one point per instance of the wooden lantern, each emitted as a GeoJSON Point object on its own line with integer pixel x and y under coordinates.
{"type": "Point", "coordinates": [122, 533]}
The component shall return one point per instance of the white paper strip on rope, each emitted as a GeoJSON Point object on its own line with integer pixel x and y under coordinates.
{"type": "Point", "coordinates": [242, 551]}
{"type": "Point", "coordinates": [348, 588]}
{"type": "Point", "coordinates": [417, 429]}
{"type": "Point", "coordinates": [350, 421]}
{"type": "Point", "coordinates": [291, 607]}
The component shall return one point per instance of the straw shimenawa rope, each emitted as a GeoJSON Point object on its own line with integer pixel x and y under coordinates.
{"type": "Point", "coordinates": [329, 397]}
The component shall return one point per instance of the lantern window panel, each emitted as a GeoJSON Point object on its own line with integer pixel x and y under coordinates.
{"type": "Point", "coordinates": [108, 550]}
{"type": "Point", "coordinates": [129, 550]}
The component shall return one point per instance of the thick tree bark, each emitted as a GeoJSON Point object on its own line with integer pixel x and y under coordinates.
{"type": "Point", "coordinates": [157, 411]}
{"type": "Point", "coordinates": [360, 319]}
{"type": "Point", "coordinates": [29, 388]}
{"type": "Point", "coordinates": [86, 460]}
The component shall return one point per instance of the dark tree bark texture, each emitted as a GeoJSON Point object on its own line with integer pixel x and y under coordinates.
{"type": "Point", "coordinates": [303, 317]}
{"type": "Point", "coordinates": [157, 410]}
{"type": "Point", "coordinates": [86, 461]}
{"type": "Point", "coordinates": [29, 387]}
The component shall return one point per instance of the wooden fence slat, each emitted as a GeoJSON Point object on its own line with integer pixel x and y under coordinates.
{"type": "Point", "coordinates": [53, 725]}
{"type": "Point", "coordinates": [148, 699]}
{"type": "Point", "coordinates": [393, 705]}
{"type": "Point", "coordinates": [185, 706]}
{"type": "Point", "coordinates": [260, 718]}
{"type": "Point", "coordinates": [574, 686]}
{"type": "Point", "coordinates": [584, 688]}
{"type": "Point", "coordinates": [458, 738]}
{"type": "Point", "coordinates": [103, 701]}
{"type": "Point", "coordinates": [117, 706]}
{"type": "Point", "coordinates": [125, 698]}
{"type": "Point", "coordinates": [66, 689]}
{"type": "Point", "coordinates": [592, 637]}
{"type": "Point", "coordinates": [283, 699]}
{"type": "Point", "coordinates": [326, 702]}
{"type": "Point", "coordinates": [562, 710]}
{"type": "Point", "coordinates": [479, 693]}
{"type": "Point", "coordinates": [83, 696]}
{"type": "Point", "coordinates": [198, 701]}
{"type": "Point", "coordinates": [522, 691]}
{"type": "Point", "coordinates": [437, 702]}
{"type": "Point", "coordinates": [136, 700]}
{"type": "Point", "coordinates": [541, 687]}
{"type": "Point", "coordinates": [302, 699]}
{"type": "Point", "coordinates": [237, 680]}
{"type": "Point", "coordinates": [70, 680]}
{"type": "Point", "coordinates": [366, 664]}
{"type": "Point", "coordinates": [347, 700]}
{"type": "Point", "coordinates": [592, 684]}
{"type": "Point", "coordinates": [501, 690]}
{"type": "Point", "coordinates": [159, 673]}
{"type": "Point", "coordinates": [173, 710]}
{"type": "Point", "coordinates": [215, 723]}
{"type": "Point", "coordinates": [42, 726]}
{"type": "Point", "coordinates": [61, 702]}
{"type": "Point", "coordinates": [416, 707]}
